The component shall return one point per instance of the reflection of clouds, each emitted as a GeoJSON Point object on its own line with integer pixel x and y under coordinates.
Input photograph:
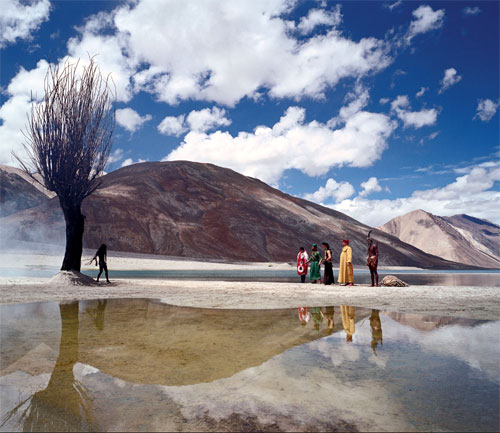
{"type": "Point", "coordinates": [478, 347]}
{"type": "Point", "coordinates": [305, 395]}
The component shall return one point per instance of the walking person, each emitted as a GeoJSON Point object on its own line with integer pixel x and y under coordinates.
{"type": "Point", "coordinates": [302, 265]}
{"type": "Point", "coordinates": [314, 260]}
{"type": "Point", "coordinates": [346, 272]}
{"type": "Point", "coordinates": [101, 254]}
{"type": "Point", "coordinates": [327, 260]}
{"type": "Point", "coordinates": [372, 259]}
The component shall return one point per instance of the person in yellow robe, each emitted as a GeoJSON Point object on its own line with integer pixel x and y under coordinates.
{"type": "Point", "coordinates": [346, 272]}
{"type": "Point", "coordinates": [348, 321]}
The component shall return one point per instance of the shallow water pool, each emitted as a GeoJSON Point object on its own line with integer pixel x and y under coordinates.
{"type": "Point", "coordinates": [144, 365]}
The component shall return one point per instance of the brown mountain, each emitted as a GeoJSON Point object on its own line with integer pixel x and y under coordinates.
{"type": "Point", "coordinates": [459, 238]}
{"type": "Point", "coordinates": [203, 211]}
{"type": "Point", "coordinates": [18, 191]}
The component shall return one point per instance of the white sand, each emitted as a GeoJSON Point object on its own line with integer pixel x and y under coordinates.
{"type": "Point", "coordinates": [470, 302]}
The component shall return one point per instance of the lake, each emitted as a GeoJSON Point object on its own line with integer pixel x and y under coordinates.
{"type": "Point", "coordinates": [143, 365]}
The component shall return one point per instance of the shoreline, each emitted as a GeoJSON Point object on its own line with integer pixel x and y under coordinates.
{"type": "Point", "coordinates": [481, 303]}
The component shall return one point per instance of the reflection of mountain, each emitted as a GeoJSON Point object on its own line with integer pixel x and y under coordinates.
{"type": "Point", "coordinates": [180, 346]}
{"type": "Point", "coordinates": [197, 210]}
{"type": "Point", "coordinates": [459, 238]}
{"type": "Point", "coordinates": [429, 323]}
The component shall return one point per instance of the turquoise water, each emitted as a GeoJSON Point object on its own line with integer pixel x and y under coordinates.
{"type": "Point", "coordinates": [142, 365]}
{"type": "Point", "coordinates": [488, 278]}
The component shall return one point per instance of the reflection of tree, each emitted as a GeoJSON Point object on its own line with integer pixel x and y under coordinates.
{"type": "Point", "coordinates": [376, 327]}
{"type": "Point", "coordinates": [348, 321]}
{"type": "Point", "coordinates": [64, 405]}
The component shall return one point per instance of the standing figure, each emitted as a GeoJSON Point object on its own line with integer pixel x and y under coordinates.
{"type": "Point", "coordinates": [302, 258]}
{"type": "Point", "coordinates": [314, 260]}
{"type": "Point", "coordinates": [346, 272]}
{"type": "Point", "coordinates": [327, 260]}
{"type": "Point", "coordinates": [101, 253]}
{"type": "Point", "coordinates": [376, 327]}
{"type": "Point", "coordinates": [372, 259]}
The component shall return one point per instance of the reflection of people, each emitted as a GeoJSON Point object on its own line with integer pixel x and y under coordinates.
{"type": "Point", "coordinates": [346, 273]}
{"type": "Point", "coordinates": [98, 318]}
{"type": "Point", "coordinates": [317, 317]}
{"type": "Point", "coordinates": [304, 315]}
{"type": "Point", "coordinates": [101, 253]}
{"type": "Point", "coordinates": [314, 272]}
{"type": "Point", "coordinates": [372, 259]}
{"type": "Point", "coordinates": [328, 314]}
{"type": "Point", "coordinates": [327, 260]}
{"type": "Point", "coordinates": [376, 327]}
{"type": "Point", "coordinates": [302, 258]}
{"type": "Point", "coordinates": [348, 321]}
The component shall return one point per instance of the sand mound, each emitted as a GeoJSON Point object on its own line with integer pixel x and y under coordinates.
{"type": "Point", "coordinates": [72, 278]}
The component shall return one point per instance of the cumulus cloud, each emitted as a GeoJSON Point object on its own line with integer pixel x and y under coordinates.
{"type": "Point", "coordinates": [197, 120]}
{"type": "Point", "coordinates": [247, 40]}
{"type": "Point", "coordinates": [19, 19]}
{"type": "Point", "coordinates": [332, 191]}
{"type": "Point", "coordinates": [471, 11]}
{"type": "Point", "coordinates": [486, 109]}
{"type": "Point", "coordinates": [318, 17]}
{"type": "Point", "coordinates": [426, 19]}
{"type": "Point", "coordinates": [313, 148]}
{"type": "Point", "coordinates": [130, 161]}
{"type": "Point", "coordinates": [130, 119]}
{"type": "Point", "coordinates": [370, 186]}
{"type": "Point", "coordinates": [473, 194]}
{"type": "Point", "coordinates": [416, 119]}
{"type": "Point", "coordinates": [172, 125]}
{"type": "Point", "coordinates": [450, 78]}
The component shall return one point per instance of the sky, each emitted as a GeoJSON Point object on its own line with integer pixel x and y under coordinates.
{"type": "Point", "coordinates": [372, 108]}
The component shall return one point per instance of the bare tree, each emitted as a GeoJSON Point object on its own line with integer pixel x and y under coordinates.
{"type": "Point", "coordinates": [69, 141]}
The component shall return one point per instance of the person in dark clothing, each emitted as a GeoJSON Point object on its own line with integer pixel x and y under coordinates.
{"type": "Point", "coordinates": [372, 260]}
{"type": "Point", "coordinates": [101, 254]}
{"type": "Point", "coordinates": [327, 260]}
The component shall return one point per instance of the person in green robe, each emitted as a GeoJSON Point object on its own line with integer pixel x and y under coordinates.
{"type": "Point", "coordinates": [314, 260]}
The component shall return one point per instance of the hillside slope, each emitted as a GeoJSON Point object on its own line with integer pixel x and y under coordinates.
{"type": "Point", "coordinates": [459, 238]}
{"type": "Point", "coordinates": [203, 211]}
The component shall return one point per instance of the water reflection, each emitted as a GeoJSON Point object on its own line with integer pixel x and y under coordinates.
{"type": "Point", "coordinates": [144, 365]}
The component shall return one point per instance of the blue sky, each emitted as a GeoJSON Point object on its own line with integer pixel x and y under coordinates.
{"type": "Point", "coordinates": [372, 108]}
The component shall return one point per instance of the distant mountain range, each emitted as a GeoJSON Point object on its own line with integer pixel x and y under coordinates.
{"type": "Point", "coordinates": [200, 211]}
{"type": "Point", "coordinates": [460, 238]}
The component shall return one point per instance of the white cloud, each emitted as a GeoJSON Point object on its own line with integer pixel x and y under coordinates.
{"type": "Point", "coordinates": [394, 5]}
{"type": "Point", "coordinates": [471, 194]}
{"type": "Point", "coordinates": [130, 119]}
{"type": "Point", "coordinates": [18, 20]}
{"type": "Point", "coordinates": [450, 78]}
{"type": "Point", "coordinates": [384, 101]}
{"type": "Point", "coordinates": [332, 190]}
{"type": "Point", "coordinates": [207, 119]}
{"type": "Point", "coordinates": [426, 19]}
{"type": "Point", "coordinates": [471, 11]}
{"type": "Point", "coordinates": [172, 125]}
{"type": "Point", "coordinates": [312, 148]}
{"type": "Point", "coordinates": [235, 50]}
{"type": "Point", "coordinates": [130, 161]}
{"type": "Point", "coordinates": [197, 120]}
{"type": "Point", "coordinates": [370, 186]}
{"type": "Point", "coordinates": [486, 109]}
{"type": "Point", "coordinates": [422, 91]}
{"type": "Point", "coordinates": [415, 119]}
{"type": "Point", "coordinates": [318, 17]}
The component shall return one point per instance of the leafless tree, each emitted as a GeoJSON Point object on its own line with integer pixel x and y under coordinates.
{"type": "Point", "coordinates": [68, 142]}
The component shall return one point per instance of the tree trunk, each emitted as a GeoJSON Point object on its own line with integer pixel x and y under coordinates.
{"type": "Point", "coordinates": [75, 225]}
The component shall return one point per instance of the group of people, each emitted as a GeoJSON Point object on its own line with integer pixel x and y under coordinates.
{"type": "Point", "coordinates": [312, 264]}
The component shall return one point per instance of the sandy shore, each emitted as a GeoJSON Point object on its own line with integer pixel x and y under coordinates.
{"type": "Point", "coordinates": [469, 302]}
